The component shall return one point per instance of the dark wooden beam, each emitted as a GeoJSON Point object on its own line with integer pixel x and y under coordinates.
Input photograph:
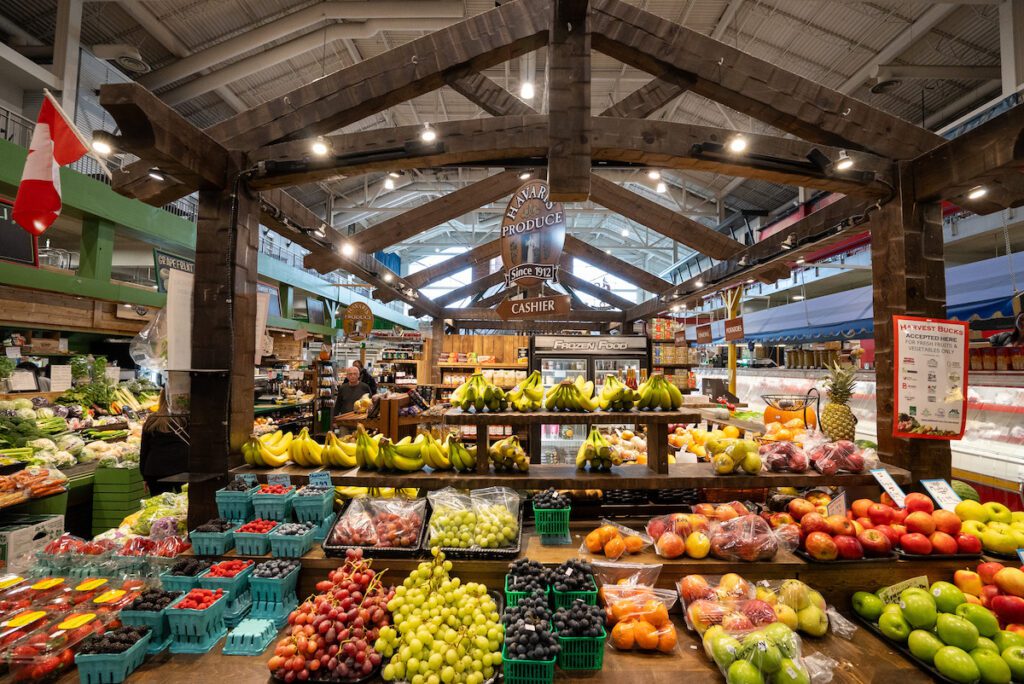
{"type": "Point", "coordinates": [990, 156]}
{"type": "Point", "coordinates": [589, 315]}
{"type": "Point", "coordinates": [682, 229]}
{"type": "Point", "coordinates": [567, 278]}
{"type": "Point", "coordinates": [909, 278]}
{"type": "Point", "coordinates": [750, 85]}
{"type": "Point", "coordinates": [771, 258]}
{"type": "Point", "coordinates": [482, 253]}
{"type": "Point", "coordinates": [527, 327]}
{"type": "Point", "coordinates": [569, 101]}
{"type": "Point", "coordinates": [615, 266]}
{"type": "Point", "coordinates": [488, 95]}
{"type": "Point", "coordinates": [495, 298]}
{"type": "Point", "coordinates": [649, 98]}
{"type": "Point", "coordinates": [523, 141]}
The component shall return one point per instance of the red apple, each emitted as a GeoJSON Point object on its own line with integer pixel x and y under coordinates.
{"type": "Point", "coordinates": [988, 592]}
{"type": "Point", "coordinates": [798, 508]}
{"type": "Point", "coordinates": [892, 535]}
{"type": "Point", "coordinates": [916, 543]}
{"type": "Point", "coordinates": [860, 507]}
{"type": "Point", "coordinates": [880, 514]}
{"type": "Point", "coordinates": [813, 522]}
{"type": "Point", "coordinates": [840, 526]}
{"type": "Point", "coordinates": [849, 548]}
{"type": "Point", "coordinates": [1009, 609]}
{"type": "Point", "coordinates": [899, 515]}
{"type": "Point", "coordinates": [780, 519]}
{"type": "Point", "coordinates": [737, 622]}
{"type": "Point", "coordinates": [681, 523]}
{"type": "Point", "coordinates": [759, 612]}
{"type": "Point", "coordinates": [942, 543]}
{"type": "Point", "coordinates": [918, 502]}
{"type": "Point", "coordinates": [1015, 628]}
{"type": "Point", "coordinates": [887, 500]}
{"type": "Point", "coordinates": [921, 523]}
{"type": "Point", "coordinates": [865, 522]}
{"type": "Point", "coordinates": [858, 528]}
{"type": "Point", "coordinates": [946, 521]}
{"type": "Point", "coordinates": [900, 528]}
{"type": "Point", "coordinates": [820, 546]}
{"type": "Point", "coordinates": [967, 543]}
{"type": "Point", "coordinates": [988, 571]}
{"type": "Point", "coordinates": [875, 543]}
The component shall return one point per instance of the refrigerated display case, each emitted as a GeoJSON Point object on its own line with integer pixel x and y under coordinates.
{"type": "Point", "coordinates": [593, 357]}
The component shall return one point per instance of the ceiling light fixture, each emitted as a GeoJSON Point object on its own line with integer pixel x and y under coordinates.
{"type": "Point", "coordinates": [348, 249]}
{"type": "Point", "coordinates": [319, 147]}
{"type": "Point", "coordinates": [102, 143]}
{"type": "Point", "coordinates": [662, 188]}
{"type": "Point", "coordinates": [525, 175]}
{"type": "Point", "coordinates": [675, 308]}
{"type": "Point", "coordinates": [797, 298]}
{"type": "Point", "coordinates": [395, 174]}
{"type": "Point", "coordinates": [699, 283]}
{"type": "Point", "coordinates": [428, 134]}
{"type": "Point", "coordinates": [389, 183]}
{"type": "Point", "coordinates": [526, 90]}
{"type": "Point", "coordinates": [388, 277]}
{"type": "Point", "coordinates": [977, 192]}
{"type": "Point", "coordinates": [654, 174]}
{"type": "Point", "coordinates": [156, 174]}
{"type": "Point", "coordinates": [844, 163]}
{"type": "Point", "coordinates": [800, 260]}
{"type": "Point", "coordinates": [320, 231]}
{"type": "Point", "coordinates": [738, 143]}
{"type": "Point", "coordinates": [750, 281]}
{"type": "Point", "coordinates": [625, 232]}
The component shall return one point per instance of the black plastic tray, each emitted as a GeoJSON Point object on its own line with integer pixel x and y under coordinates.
{"type": "Point", "coordinates": [923, 666]}
{"type": "Point", "coordinates": [339, 550]}
{"type": "Point", "coordinates": [807, 557]}
{"type": "Point", "coordinates": [998, 556]}
{"type": "Point", "coordinates": [504, 553]}
{"type": "Point", "coordinates": [940, 556]}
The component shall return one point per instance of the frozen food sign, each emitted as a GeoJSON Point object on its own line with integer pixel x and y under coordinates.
{"type": "Point", "coordinates": [532, 236]}
{"type": "Point", "coordinates": [929, 378]}
{"type": "Point", "coordinates": [590, 343]}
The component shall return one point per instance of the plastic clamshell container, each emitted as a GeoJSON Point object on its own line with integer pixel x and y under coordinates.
{"type": "Point", "coordinates": [581, 653]}
{"type": "Point", "coordinates": [234, 587]}
{"type": "Point", "coordinates": [314, 507]}
{"type": "Point", "coordinates": [112, 668]}
{"type": "Point", "coordinates": [273, 506]}
{"type": "Point", "coordinates": [54, 639]}
{"type": "Point", "coordinates": [291, 545]}
{"type": "Point", "coordinates": [212, 543]}
{"type": "Point", "coordinates": [235, 506]}
{"type": "Point", "coordinates": [527, 671]}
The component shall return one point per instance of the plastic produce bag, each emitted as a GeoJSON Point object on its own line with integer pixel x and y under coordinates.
{"type": "Point", "coordinates": [453, 521]}
{"type": "Point", "coordinates": [747, 538]}
{"type": "Point", "coordinates": [149, 347]}
{"type": "Point", "coordinates": [634, 574]}
{"type": "Point", "coordinates": [832, 457]}
{"type": "Point", "coordinates": [497, 516]}
{"type": "Point", "coordinates": [796, 602]}
{"type": "Point", "coordinates": [783, 457]}
{"type": "Point", "coordinates": [614, 541]}
{"type": "Point", "coordinates": [354, 527]}
{"type": "Point", "coordinates": [640, 620]}
{"type": "Point", "coordinates": [758, 655]}
{"type": "Point", "coordinates": [389, 523]}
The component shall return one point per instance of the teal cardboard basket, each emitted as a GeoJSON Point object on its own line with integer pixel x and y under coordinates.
{"type": "Point", "coordinates": [111, 668]}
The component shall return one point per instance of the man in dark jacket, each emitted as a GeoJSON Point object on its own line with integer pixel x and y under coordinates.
{"type": "Point", "coordinates": [349, 391]}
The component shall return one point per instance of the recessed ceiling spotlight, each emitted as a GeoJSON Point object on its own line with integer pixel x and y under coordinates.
{"type": "Point", "coordinates": [394, 174]}
{"type": "Point", "coordinates": [319, 147]}
{"type": "Point", "coordinates": [797, 298]}
{"type": "Point", "coordinates": [156, 174]}
{"type": "Point", "coordinates": [348, 249]}
{"type": "Point", "coordinates": [625, 232]}
{"type": "Point", "coordinates": [388, 277]}
{"type": "Point", "coordinates": [750, 281]}
{"type": "Point", "coordinates": [526, 90]}
{"type": "Point", "coordinates": [800, 260]}
{"type": "Point", "coordinates": [525, 175]}
{"type": "Point", "coordinates": [654, 174]}
{"type": "Point", "coordinates": [977, 192]}
{"type": "Point", "coordinates": [101, 146]}
{"type": "Point", "coordinates": [738, 143]}
{"type": "Point", "coordinates": [428, 134]}
{"type": "Point", "coordinates": [699, 283]}
{"type": "Point", "coordinates": [844, 163]}
{"type": "Point", "coordinates": [389, 183]}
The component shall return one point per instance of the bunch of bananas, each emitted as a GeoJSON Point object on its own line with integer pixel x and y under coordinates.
{"type": "Point", "coordinates": [479, 395]}
{"type": "Point", "coordinates": [267, 451]}
{"type": "Point", "coordinates": [657, 393]}
{"type": "Point", "coordinates": [616, 396]}
{"type": "Point", "coordinates": [527, 395]}
{"type": "Point", "coordinates": [339, 453]}
{"type": "Point", "coordinates": [304, 451]}
{"type": "Point", "coordinates": [463, 458]}
{"type": "Point", "coordinates": [404, 455]}
{"type": "Point", "coordinates": [342, 493]}
{"type": "Point", "coordinates": [597, 453]}
{"type": "Point", "coordinates": [435, 453]}
{"type": "Point", "coordinates": [508, 455]}
{"type": "Point", "coordinates": [367, 449]}
{"type": "Point", "coordinates": [571, 396]}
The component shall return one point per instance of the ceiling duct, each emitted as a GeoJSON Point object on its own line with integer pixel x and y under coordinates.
{"type": "Point", "coordinates": [886, 77]}
{"type": "Point", "coordinates": [127, 57]}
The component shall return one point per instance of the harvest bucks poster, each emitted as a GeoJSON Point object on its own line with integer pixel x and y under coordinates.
{"type": "Point", "coordinates": [930, 378]}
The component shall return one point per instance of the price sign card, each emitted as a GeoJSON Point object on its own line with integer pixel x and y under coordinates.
{"type": "Point", "coordinates": [888, 484]}
{"type": "Point", "coordinates": [942, 493]}
{"type": "Point", "coordinates": [250, 479]}
{"type": "Point", "coordinates": [837, 506]}
{"type": "Point", "coordinates": [113, 374]}
{"type": "Point", "coordinates": [320, 478]}
{"type": "Point", "coordinates": [279, 479]}
{"type": "Point", "coordinates": [60, 378]}
{"type": "Point", "coordinates": [892, 593]}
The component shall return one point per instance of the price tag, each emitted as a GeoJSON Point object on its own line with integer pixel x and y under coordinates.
{"type": "Point", "coordinates": [885, 480]}
{"type": "Point", "coordinates": [48, 583]}
{"type": "Point", "coordinates": [568, 572]}
{"type": "Point", "coordinates": [89, 585]}
{"type": "Point", "coordinates": [76, 621]}
{"type": "Point", "coordinates": [250, 479]}
{"type": "Point", "coordinates": [109, 596]}
{"type": "Point", "coordinates": [891, 594]}
{"type": "Point", "coordinates": [24, 619]}
{"type": "Point", "coordinates": [60, 378]}
{"type": "Point", "coordinates": [23, 381]}
{"type": "Point", "coordinates": [279, 479]}
{"type": "Point", "coordinates": [942, 493]}
{"type": "Point", "coordinates": [837, 506]}
{"type": "Point", "coordinates": [530, 627]}
{"type": "Point", "coordinates": [13, 352]}
{"type": "Point", "coordinates": [8, 581]}
{"type": "Point", "coordinates": [320, 478]}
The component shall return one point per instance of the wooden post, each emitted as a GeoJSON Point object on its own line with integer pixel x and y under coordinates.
{"type": "Point", "coordinates": [223, 342]}
{"type": "Point", "coordinates": [908, 274]}
{"type": "Point", "coordinates": [657, 447]}
{"type": "Point", "coordinates": [569, 87]}
{"type": "Point", "coordinates": [437, 345]}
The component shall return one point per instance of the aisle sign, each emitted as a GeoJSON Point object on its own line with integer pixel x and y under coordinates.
{"type": "Point", "coordinates": [889, 485]}
{"type": "Point", "coordinates": [165, 263]}
{"type": "Point", "coordinates": [837, 506]}
{"type": "Point", "coordinates": [357, 321]}
{"type": "Point", "coordinates": [320, 478]}
{"type": "Point", "coordinates": [734, 329]}
{"type": "Point", "coordinates": [929, 378]}
{"type": "Point", "coordinates": [704, 334]}
{"type": "Point", "coordinates": [891, 594]}
{"type": "Point", "coordinates": [60, 378]}
{"type": "Point", "coordinates": [942, 493]}
{"type": "Point", "coordinates": [279, 479]}
{"type": "Point", "coordinates": [532, 236]}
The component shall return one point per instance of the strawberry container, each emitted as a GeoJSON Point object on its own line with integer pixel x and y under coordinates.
{"type": "Point", "coordinates": [235, 506]}
{"type": "Point", "coordinates": [196, 631]}
{"type": "Point", "coordinates": [50, 650]}
{"type": "Point", "coordinates": [234, 587]}
{"type": "Point", "coordinates": [274, 506]}
{"type": "Point", "coordinates": [111, 668]}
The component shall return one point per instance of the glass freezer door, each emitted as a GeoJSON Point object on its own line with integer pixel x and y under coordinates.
{"type": "Point", "coordinates": [554, 371]}
{"type": "Point", "coordinates": [623, 368]}
{"type": "Point", "coordinates": [559, 443]}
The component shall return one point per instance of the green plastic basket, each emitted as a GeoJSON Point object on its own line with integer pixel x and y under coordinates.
{"type": "Point", "coordinates": [111, 668]}
{"type": "Point", "coordinates": [564, 599]}
{"type": "Point", "coordinates": [581, 653]}
{"type": "Point", "coordinates": [273, 506]}
{"type": "Point", "coordinates": [235, 506]}
{"type": "Point", "coordinates": [212, 543]}
{"type": "Point", "coordinates": [551, 522]}
{"type": "Point", "coordinates": [314, 508]}
{"type": "Point", "coordinates": [512, 597]}
{"type": "Point", "coordinates": [527, 671]}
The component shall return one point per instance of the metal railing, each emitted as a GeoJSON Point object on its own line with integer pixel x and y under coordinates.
{"type": "Point", "coordinates": [15, 128]}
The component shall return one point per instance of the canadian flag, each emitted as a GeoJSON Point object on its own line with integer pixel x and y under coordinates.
{"type": "Point", "coordinates": [55, 143]}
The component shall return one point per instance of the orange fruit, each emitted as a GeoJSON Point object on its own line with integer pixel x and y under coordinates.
{"type": "Point", "coordinates": [667, 639]}
{"type": "Point", "coordinates": [634, 544]}
{"type": "Point", "coordinates": [594, 542]}
{"type": "Point", "coordinates": [646, 635]}
{"type": "Point", "coordinates": [607, 532]}
{"type": "Point", "coordinates": [615, 548]}
{"type": "Point", "coordinates": [622, 636]}
{"type": "Point", "coordinates": [655, 612]}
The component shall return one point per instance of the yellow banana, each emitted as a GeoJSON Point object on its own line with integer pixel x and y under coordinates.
{"type": "Point", "coordinates": [270, 460]}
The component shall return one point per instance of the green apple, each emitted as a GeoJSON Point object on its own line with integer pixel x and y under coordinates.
{"type": "Point", "coordinates": [765, 655]}
{"type": "Point", "coordinates": [817, 600]}
{"type": "Point", "coordinates": [783, 637]}
{"type": "Point", "coordinates": [894, 627]}
{"type": "Point", "coordinates": [998, 512]}
{"type": "Point", "coordinates": [1018, 537]}
{"type": "Point", "coordinates": [973, 528]}
{"type": "Point", "coordinates": [947, 597]}
{"type": "Point", "coordinates": [912, 591]}
{"type": "Point", "coordinates": [1005, 639]}
{"type": "Point", "coordinates": [971, 510]}
{"type": "Point", "coordinates": [1017, 524]}
{"type": "Point", "coordinates": [924, 645]}
{"type": "Point", "coordinates": [956, 631]}
{"type": "Point", "coordinates": [791, 672]}
{"type": "Point", "coordinates": [1014, 657]}
{"type": "Point", "coordinates": [744, 672]}
{"type": "Point", "coordinates": [918, 610]}
{"type": "Point", "coordinates": [998, 541]}
{"type": "Point", "coordinates": [992, 667]}
{"type": "Point", "coordinates": [867, 605]}
{"type": "Point", "coordinates": [956, 664]}
{"type": "Point", "coordinates": [892, 608]}
{"type": "Point", "coordinates": [981, 617]}
{"type": "Point", "coordinates": [710, 634]}
{"type": "Point", "coordinates": [1000, 526]}
{"type": "Point", "coordinates": [986, 644]}
{"type": "Point", "coordinates": [725, 649]}
{"type": "Point", "coordinates": [812, 620]}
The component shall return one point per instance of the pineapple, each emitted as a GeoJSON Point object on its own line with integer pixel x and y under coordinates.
{"type": "Point", "coordinates": [837, 420]}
